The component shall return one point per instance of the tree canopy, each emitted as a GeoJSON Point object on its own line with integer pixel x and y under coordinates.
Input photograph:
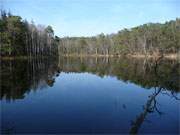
{"type": "Point", "coordinates": [144, 39]}
{"type": "Point", "coordinates": [20, 38]}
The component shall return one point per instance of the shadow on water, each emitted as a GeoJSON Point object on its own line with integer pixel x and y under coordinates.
{"type": "Point", "coordinates": [19, 77]}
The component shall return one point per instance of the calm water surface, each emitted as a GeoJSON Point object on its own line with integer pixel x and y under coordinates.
{"type": "Point", "coordinates": [90, 95]}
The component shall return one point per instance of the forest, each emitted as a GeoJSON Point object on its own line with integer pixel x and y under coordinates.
{"type": "Point", "coordinates": [21, 38]}
{"type": "Point", "coordinates": [151, 38]}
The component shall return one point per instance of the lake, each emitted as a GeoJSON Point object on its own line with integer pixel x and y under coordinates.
{"type": "Point", "coordinates": [90, 95]}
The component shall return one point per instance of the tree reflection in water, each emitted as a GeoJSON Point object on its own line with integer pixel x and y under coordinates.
{"type": "Point", "coordinates": [19, 77]}
{"type": "Point", "coordinates": [151, 105]}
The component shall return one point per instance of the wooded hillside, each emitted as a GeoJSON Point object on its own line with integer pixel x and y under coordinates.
{"type": "Point", "coordinates": [20, 38]}
{"type": "Point", "coordinates": [145, 39]}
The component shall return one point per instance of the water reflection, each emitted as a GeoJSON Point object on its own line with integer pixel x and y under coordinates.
{"type": "Point", "coordinates": [150, 107]}
{"type": "Point", "coordinates": [20, 76]}
{"type": "Point", "coordinates": [147, 73]}
{"type": "Point", "coordinates": [157, 77]}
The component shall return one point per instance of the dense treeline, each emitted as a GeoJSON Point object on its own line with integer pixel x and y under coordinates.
{"type": "Point", "coordinates": [20, 38]}
{"type": "Point", "coordinates": [145, 39]}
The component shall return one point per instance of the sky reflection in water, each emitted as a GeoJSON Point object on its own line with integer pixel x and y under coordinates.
{"type": "Point", "coordinates": [75, 98]}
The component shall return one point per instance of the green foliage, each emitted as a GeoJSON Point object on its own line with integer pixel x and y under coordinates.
{"type": "Point", "coordinates": [148, 38]}
{"type": "Point", "coordinates": [20, 38]}
{"type": "Point", "coordinates": [49, 30]}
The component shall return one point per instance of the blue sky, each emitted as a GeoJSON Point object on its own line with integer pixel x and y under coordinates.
{"type": "Point", "coordinates": [91, 17]}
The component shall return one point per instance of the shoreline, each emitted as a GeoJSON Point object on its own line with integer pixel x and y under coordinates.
{"type": "Point", "coordinates": [166, 56]}
{"type": "Point", "coordinates": [22, 57]}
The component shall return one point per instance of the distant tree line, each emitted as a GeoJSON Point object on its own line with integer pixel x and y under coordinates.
{"type": "Point", "coordinates": [20, 38]}
{"type": "Point", "coordinates": [145, 39]}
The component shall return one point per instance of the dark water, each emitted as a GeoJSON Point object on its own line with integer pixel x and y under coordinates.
{"type": "Point", "coordinates": [90, 95]}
